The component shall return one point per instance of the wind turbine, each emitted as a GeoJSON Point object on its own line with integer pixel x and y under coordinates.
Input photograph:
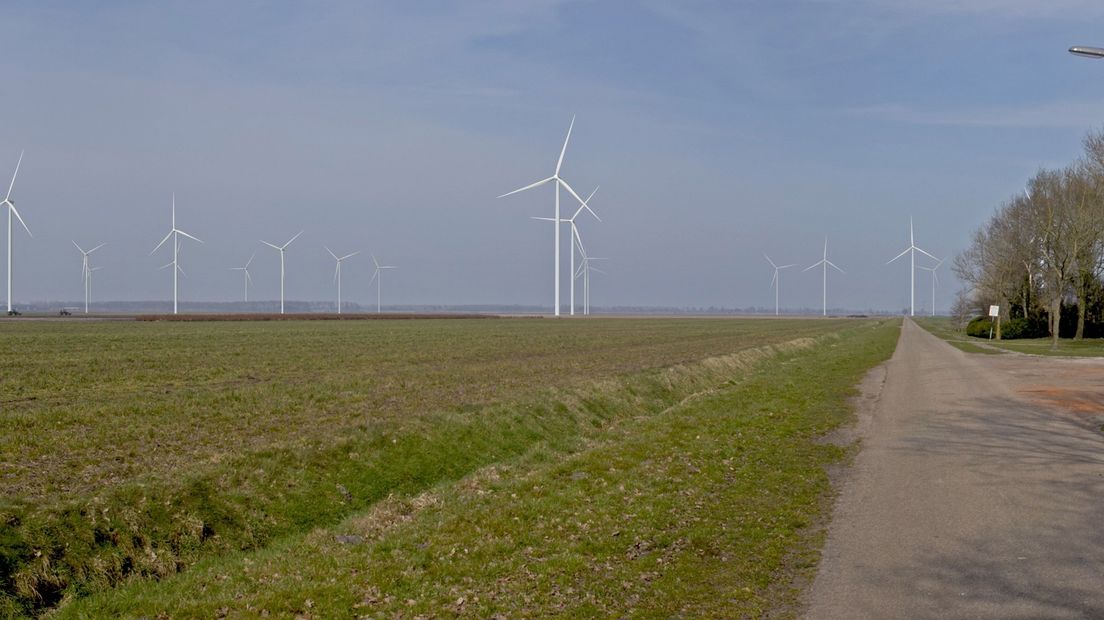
{"type": "Point", "coordinates": [556, 217]}
{"type": "Point", "coordinates": [175, 233]}
{"type": "Point", "coordinates": [825, 263]}
{"type": "Point", "coordinates": [337, 274]}
{"type": "Point", "coordinates": [88, 287]}
{"type": "Point", "coordinates": [586, 268]}
{"type": "Point", "coordinates": [378, 278]}
{"type": "Point", "coordinates": [912, 250]}
{"type": "Point", "coordinates": [576, 242]}
{"type": "Point", "coordinates": [934, 281]}
{"type": "Point", "coordinates": [10, 204]}
{"type": "Point", "coordinates": [86, 273]}
{"type": "Point", "coordinates": [281, 248]}
{"type": "Point", "coordinates": [248, 279]}
{"type": "Point", "coordinates": [776, 282]}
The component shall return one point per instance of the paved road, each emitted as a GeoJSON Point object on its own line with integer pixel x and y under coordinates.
{"type": "Point", "coordinates": [975, 495]}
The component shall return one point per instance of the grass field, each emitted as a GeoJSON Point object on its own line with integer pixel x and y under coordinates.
{"type": "Point", "coordinates": [134, 452]}
{"type": "Point", "coordinates": [941, 326]}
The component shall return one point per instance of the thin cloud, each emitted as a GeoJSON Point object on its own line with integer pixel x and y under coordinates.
{"type": "Point", "coordinates": [1047, 114]}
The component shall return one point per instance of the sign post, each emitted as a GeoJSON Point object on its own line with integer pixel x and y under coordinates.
{"type": "Point", "coordinates": [994, 313]}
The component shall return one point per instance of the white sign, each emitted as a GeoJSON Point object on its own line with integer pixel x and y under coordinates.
{"type": "Point", "coordinates": [994, 310]}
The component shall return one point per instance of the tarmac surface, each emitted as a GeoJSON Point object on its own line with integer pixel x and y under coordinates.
{"type": "Point", "coordinates": [978, 491]}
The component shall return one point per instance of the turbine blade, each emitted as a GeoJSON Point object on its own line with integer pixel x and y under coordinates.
{"type": "Point", "coordinates": [332, 254]}
{"type": "Point", "coordinates": [375, 275]}
{"type": "Point", "coordinates": [275, 247]}
{"type": "Point", "coordinates": [181, 269]}
{"type": "Point", "coordinates": [547, 219]}
{"type": "Point", "coordinates": [248, 278]}
{"type": "Point", "coordinates": [189, 236]}
{"type": "Point", "coordinates": [250, 259]}
{"type": "Point", "coordinates": [926, 254]}
{"type": "Point", "coordinates": [96, 248]}
{"type": "Point", "coordinates": [564, 149]}
{"type": "Point", "coordinates": [833, 266]}
{"type": "Point", "coordinates": [597, 270]}
{"type": "Point", "coordinates": [773, 280]}
{"type": "Point", "coordinates": [769, 260]}
{"type": "Point", "coordinates": [816, 264]}
{"type": "Point", "coordinates": [788, 266]}
{"type": "Point", "coordinates": [165, 266]}
{"type": "Point", "coordinates": [586, 205]}
{"type": "Point", "coordinates": [162, 242]}
{"type": "Point", "coordinates": [349, 255]}
{"type": "Point", "coordinates": [898, 256]}
{"type": "Point", "coordinates": [337, 270]}
{"type": "Point", "coordinates": [572, 192]}
{"type": "Point", "coordinates": [292, 239]}
{"type": "Point", "coordinates": [17, 164]}
{"type": "Point", "coordinates": [19, 217]}
{"type": "Point", "coordinates": [78, 247]}
{"type": "Point", "coordinates": [530, 186]}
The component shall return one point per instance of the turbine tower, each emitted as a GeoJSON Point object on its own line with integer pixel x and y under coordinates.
{"type": "Point", "coordinates": [378, 279]}
{"type": "Point", "coordinates": [912, 250]}
{"type": "Point", "coordinates": [174, 233]}
{"type": "Point", "coordinates": [556, 216]}
{"type": "Point", "coordinates": [824, 263]}
{"type": "Point", "coordinates": [776, 282]}
{"type": "Point", "coordinates": [10, 204]}
{"type": "Point", "coordinates": [337, 273]}
{"type": "Point", "coordinates": [247, 278]}
{"type": "Point", "coordinates": [86, 273]}
{"type": "Point", "coordinates": [281, 249]}
{"type": "Point", "coordinates": [934, 281]}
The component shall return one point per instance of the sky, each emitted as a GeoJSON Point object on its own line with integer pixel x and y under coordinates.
{"type": "Point", "coordinates": [717, 131]}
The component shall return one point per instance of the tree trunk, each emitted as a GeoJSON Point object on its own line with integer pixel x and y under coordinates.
{"type": "Point", "coordinates": [1056, 320]}
{"type": "Point", "coordinates": [1082, 301]}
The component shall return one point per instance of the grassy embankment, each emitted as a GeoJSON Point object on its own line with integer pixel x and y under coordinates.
{"type": "Point", "coordinates": [1067, 347]}
{"type": "Point", "coordinates": [158, 448]}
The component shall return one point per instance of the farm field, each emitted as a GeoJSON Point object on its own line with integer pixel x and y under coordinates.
{"type": "Point", "coordinates": [136, 451]}
{"type": "Point", "coordinates": [942, 327]}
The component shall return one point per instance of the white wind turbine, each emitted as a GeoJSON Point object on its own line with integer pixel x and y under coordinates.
{"type": "Point", "coordinates": [584, 271]}
{"type": "Point", "coordinates": [175, 233]}
{"type": "Point", "coordinates": [281, 249]}
{"type": "Point", "coordinates": [825, 263]}
{"type": "Point", "coordinates": [248, 280]}
{"type": "Point", "coordinates": [912, 250]}
{"type": "Point", "coordinates": [934, 281]}
{"type": "Point", "coordinates": [10, 204]}
{"type": "Point", "coordinates": [88, 285]}
{"type": "Point", "coordinates": [776, 282]}
{"type": "Point", "coordinates": [86, 272]}
{"type": "Point", "coordinates": [377, 277]}
{"type": "Point", "coordinates": [576, 242]}
{"type": "Point", "coordinates": [337, 273]}
{"type": "Point", "coordinates": [556, 217]}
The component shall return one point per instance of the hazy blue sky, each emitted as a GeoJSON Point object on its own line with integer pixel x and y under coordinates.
{"type": "Point", "coordinates": [717, 130]}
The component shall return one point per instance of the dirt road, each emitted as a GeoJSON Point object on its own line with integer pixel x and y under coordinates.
{"type": "Point", "coordinates": [978, 492]}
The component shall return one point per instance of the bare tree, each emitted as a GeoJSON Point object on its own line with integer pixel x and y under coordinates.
{"type": "Point", "coordinates": [1052, 201]}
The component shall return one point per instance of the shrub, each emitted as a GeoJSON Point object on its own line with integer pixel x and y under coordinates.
{"type": "Point", "coordinates": [1019, 327]}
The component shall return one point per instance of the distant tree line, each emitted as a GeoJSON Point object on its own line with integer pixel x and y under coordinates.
{"type": "Point", "coordinates": [1041, 255]}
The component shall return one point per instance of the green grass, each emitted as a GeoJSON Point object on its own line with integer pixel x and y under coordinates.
{"type": "Point", "coordinates": [142, 450]}
{"type": "Point", "coordinates": [700, 510]}
{"type": "Point", "coordinates": [1067, 347]}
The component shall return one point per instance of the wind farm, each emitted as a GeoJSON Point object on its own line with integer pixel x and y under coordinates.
{"type": "Point", "coordinates": [658, 432]}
